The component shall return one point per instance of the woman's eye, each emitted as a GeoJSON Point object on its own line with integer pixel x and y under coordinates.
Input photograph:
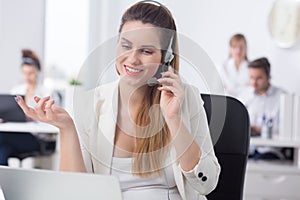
{"type": "Point", "coordinates": [126, 46]}
{"type": "Point", "coordinates": [146, 51]}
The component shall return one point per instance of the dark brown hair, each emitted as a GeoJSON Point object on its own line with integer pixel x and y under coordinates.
{"type": "Point", "coordinates": [261, 63]}
{"type": "Point", "coordinates": [30, 58]}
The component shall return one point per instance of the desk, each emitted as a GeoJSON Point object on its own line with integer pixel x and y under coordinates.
{"type": "Point", "coordinates": [32, 127]}
{"type": "Point", "coordinates": [273, 179]}
{"type": "Point", "coordinates": [41, 130]}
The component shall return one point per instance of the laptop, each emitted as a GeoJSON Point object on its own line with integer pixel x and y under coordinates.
{"type": "Point", "coordinates": [36, 184]}
{"type": "Point", "coordinates": [9, 109]}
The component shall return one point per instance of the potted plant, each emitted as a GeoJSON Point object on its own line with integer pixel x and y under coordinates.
{"type": "Point", "coordinates": [69, 95]}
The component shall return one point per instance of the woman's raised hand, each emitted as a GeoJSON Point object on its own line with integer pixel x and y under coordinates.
{"type": "Point", "coordinates": [172, 94]}
{"type": "Point", "coordinates": [46, 111]}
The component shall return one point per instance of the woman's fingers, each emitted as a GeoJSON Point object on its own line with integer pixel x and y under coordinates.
{"type": "Point", "coordinates": [36, 99]}
{"type": "Point", "coordinates": [166, 89]}
{"type": "Point", "coordinates": [40, 107]}
{"type": "Point", "coordinates": [169, 81]}
{"type": "Point", "coordinates": [170, 90]}
{"type": "Point", "coordinates": [45, 110]}
{"type": "Point", "coordinates": [170, 75]}
{"type": "Point", "coordinates": [49, 109]}
{"type": "Point", "coordinates": [27, 110]}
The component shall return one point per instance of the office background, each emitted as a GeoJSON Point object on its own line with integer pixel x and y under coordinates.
{"type": "Point", "coordinates": [65, 32]}
{"type": "Point", "coordinates": [208, 23]}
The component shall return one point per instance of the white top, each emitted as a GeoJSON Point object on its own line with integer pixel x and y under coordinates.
{"type": "Point", "coordinates": [234, 80]}
{"type": "Point", "coordinates": [259, 105]}
{"type": "Point", "coordinates": [263, 105]}
{"type": "Point", "coordinates": [149, 188]}
{"type": "Point", "coordinates": [40, 91]}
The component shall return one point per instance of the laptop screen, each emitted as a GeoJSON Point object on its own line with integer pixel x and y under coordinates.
{"type": "Point", "coordinates": [10, 110]}
{"type": "Point", "coordinates": [32, 184]}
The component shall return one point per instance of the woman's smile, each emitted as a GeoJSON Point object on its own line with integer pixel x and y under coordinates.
{"type": "Point", "coordinates": [132, 71]}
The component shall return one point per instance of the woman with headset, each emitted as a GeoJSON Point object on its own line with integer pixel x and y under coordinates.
{"type": "Point", "coordinates": [151, 133]}
{"type": "Point", "coordinates": [24, 142]}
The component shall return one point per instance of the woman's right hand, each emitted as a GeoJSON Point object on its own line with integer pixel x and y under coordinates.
{"type": "Point", "coordinates": [46, 111]}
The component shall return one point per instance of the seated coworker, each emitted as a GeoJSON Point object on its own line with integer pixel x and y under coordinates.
{"type": "Point", "coordinates": [262, 100]}
{"type": "Point", "coordinates": [17, 143]}
{"type": "Point", "coordinates": [167, 155]}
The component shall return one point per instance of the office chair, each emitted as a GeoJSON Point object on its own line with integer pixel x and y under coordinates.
{"type": "Point", "coordinates": [231, 146]}
{"type": "Point", "coordinates": [47, 147]}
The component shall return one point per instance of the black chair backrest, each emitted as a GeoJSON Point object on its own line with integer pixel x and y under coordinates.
{"type": "Point", "coordinates": [231, 146]}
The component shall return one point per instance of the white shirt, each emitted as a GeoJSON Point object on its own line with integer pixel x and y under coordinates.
{"type": "Point", "coordinates": [234, 80]}
{"type": "Point", "coordinates": [263, 106]}
{"type": "Point", "coordinates": [149, 188]}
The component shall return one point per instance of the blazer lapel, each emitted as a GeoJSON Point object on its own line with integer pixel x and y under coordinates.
{"type": "Point", "coordinates": [108, 112]}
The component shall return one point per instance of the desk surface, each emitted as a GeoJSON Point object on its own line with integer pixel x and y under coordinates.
{"type": "Point", "coordinates": [276, 142]}
{"type": "Point", "coordinates": [33, 127]}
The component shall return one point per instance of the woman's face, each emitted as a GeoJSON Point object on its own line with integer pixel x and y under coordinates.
{"type": "Point", "coordinates": [138, 52]}
{"type": "Point", "coordinates": [238, 50]}
{"type": "Point", "coordinates": [30, 74]}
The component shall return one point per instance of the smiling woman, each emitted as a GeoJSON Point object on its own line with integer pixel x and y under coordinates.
{"type": "Point", "coordinates": [138, 52]}
{"type": "Point", "coordinates": [154, 138]}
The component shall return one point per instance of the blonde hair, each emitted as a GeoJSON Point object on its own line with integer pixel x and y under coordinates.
{"type": "Point", "coordinates": [149, 151]}
{"type": "Point", "coordinates": [238, 38]}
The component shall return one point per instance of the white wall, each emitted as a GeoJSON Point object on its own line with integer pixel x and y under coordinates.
{"type": "Point", "coordinates": [211, 23]}
{"type": "Point", "coordinates": [218, 21]}
{"type": "Point", "coordinates": [21, 26]}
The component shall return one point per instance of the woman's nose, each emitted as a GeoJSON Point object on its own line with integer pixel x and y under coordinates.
{"type": "Point", "coordinates": [133, 56]}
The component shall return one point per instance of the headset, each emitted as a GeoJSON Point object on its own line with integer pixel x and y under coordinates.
{"type": "Point", "coordinates": [163, 67]}
{"type": "Point", "coordinates": [167, 56]}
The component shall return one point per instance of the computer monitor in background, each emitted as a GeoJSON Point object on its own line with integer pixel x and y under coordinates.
{"type": "Point", "coordinates": [9, 109]}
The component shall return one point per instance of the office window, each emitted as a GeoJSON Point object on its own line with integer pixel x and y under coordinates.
{"type": "Point", "coordinates": [66, 40]}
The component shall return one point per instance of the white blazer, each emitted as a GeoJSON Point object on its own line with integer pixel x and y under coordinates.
{"type": "Point", "coordinates": [95, 114]}
{"type": "Point", "coordinates": [235, 81]}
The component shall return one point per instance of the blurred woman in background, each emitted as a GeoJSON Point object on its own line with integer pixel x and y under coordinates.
{"type": "Point", "coordinates": [23, 142]}
{"type": "Point", "coordinates": [234, 71]}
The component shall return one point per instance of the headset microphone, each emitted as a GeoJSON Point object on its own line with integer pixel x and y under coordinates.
{"type": "Point", "coordinates": [163, 67]}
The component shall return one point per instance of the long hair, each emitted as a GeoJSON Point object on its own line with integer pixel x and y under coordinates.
{"type": "Point", "coordinates": [151, 149]}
